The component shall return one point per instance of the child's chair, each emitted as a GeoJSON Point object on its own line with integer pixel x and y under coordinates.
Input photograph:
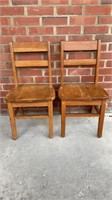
{"type": "Point", "coordinates": [30, 95]}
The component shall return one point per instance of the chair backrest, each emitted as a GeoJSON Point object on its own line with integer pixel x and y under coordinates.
{"type": "Point", "coordinates": [30, 55]}
{"type": "Point", "coordinates": [80, 54]}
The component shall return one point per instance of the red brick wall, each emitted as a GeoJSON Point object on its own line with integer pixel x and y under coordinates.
{"type": "Point", "coordinates": [55, 20]}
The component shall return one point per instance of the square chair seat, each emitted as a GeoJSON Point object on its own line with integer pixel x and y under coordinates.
{"type": "Point", "coordinates": [82, 92]}
{"type": "Point", "coordinates": [30, 93]}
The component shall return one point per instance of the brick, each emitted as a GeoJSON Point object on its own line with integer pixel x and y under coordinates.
{"type": "Point", "coordinates": [55, 57]}
{"type": "Point", "coordinates": [79, 38]}
{"type": "Point", "coordinates": [40, 10]}
{"type": "Point", "coordinates": [44, 79]}
{"type": "Point", "coordinates": [8, 87]}
{"type": "Point", "coordinates": [79, 55]}
{"type": "Point", "coordinates": [97, 10]}
{"type": "Point", "coordinates": [5, 56]}
{"type": "Point", "coordinates": [106, 85]}
{"type": "Point", "coordinates": [3, 106]}
{"type": "Point", "coordinates": [106, 56]}
{"type": "Point", "coordinates": [4, 2]}
{"type": "Point", "coordinates": [109, 104]}
{"type": "Point", "coordinates": [54, 21]}
{"type": "Point", "coordinates": [1, 88]}
{"type": "Point", "coordinates": [87, 79]}
{"type": "Point", "coordinates": [41, 30]}
{"type": "Point", "coordinates": [68, 30]}
{"type": "Point", "coordinates": [29, 56]}
{"type": "Point", "coordinates": [9, 11]}
{"type": "Point", "coordinates": [110, 47]}
{"type": "Point", "coordinates": [13, 31]}
{"type": "Point", "coordinates": [8, 65]}
{"type": "Point", "coordinates": [5, 39]}
{"type": "Point", "coordinates": [105, 71]}
{"type": "Point", "coordinates": [100, 79]}
{"type": "Point", "coordinates": [104, 38]}
{"type": "Point", "coordinates": [75, 79]}
{"type": "Point", "coordinates": [108, 78]}
{"type": "Point", "coordinates": [110, 98]}
{"type": "Point", "coordinates": [5, 48]}
{"type": "Point", "coordinates": [106, 1]}
{"type": "Point", "coordinates": [26, 21]}
{"type": "Point", "coordinates": [25, 2]}
{"type": "Point", "coordinates": [2, 65]}
{"type": "Point", "coordinates": [26, 79]}
{"type": "Point", "coordinates": [3, 93]}
{"type": "Point", "coordinates": [82, 20]}
{"type": "Point", "coordinates": [109, 92]}
{"type": "Point", "coordinates": [103, 47]}
{"type": "Point", "coordinates": [55, 72]}
{"type": "Point", "coordinates": [78, 71]}
{"type": "Point", "coordinates": [96, 29]}
{"type": "Point", "coordinates": [6, 72]}
{"type": "Point", "coordinates": [5, 21]}
{"type": "Point", "coordinates": [27, 38]}
{"type": "Point", "coordinates": [30, 72]}
{"type": "Point", "coordinates": [85, 2]}
{"type": "Point", "coordinates": [69, 10]}
{"type": "Point", "coordinates": [56, 64]}
{"type": "Point", "coordinates": [1, 101]}
{"type": "Point", "coordinates": [109, 63]}
{"type": "Point", "coordinates": [55, 2]}
{"type": "Point", "coordinates": [105, 20]}
{"type": "Point", "coordinates": [4, 80]}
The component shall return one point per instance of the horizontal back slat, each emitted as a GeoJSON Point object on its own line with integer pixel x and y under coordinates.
{"type": "Point", "coordinates": [79, 62]}
{"type": "Point", "coordinates": [30, 55]}
{"type": "Point", "coordinates": [79, 45]}
{"type": "Point", "coordinates": [31, 63]}
{"type": "Point", "coordinates": [30, 47]}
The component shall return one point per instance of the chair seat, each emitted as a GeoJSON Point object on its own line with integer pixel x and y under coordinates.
{"type": "Point", "coordinates": [82, 92]}
{"type": "Point", "coordinates": [30, 93]}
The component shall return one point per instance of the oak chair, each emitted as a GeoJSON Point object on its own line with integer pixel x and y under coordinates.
{"type": "Point", "coordinates": [30, 56]}
{"type": "Point", "coordinates": [81, 54]}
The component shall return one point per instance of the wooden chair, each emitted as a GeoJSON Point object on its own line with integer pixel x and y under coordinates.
{"type": "Point", "coordinates": [30, 95]}
{"type": "Point", "coordinates": [80, 94]}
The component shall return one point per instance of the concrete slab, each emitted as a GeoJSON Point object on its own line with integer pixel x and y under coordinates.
{"type": "Point", "coordinates": [77, 167]}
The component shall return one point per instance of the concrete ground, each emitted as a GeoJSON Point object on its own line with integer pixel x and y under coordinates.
{"type": "Point", "coordinates": [77, 167]}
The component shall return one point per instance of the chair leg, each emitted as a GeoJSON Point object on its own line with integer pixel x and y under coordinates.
{"type": "Point", "coordinates": [92, 109]}
{"type": "Point", "coordinates": [50, 110]}
{"type": "Point", "coordinates": [101, 119]}
{"type": "Point", "coordinates": [63, 117]}
{"type": "Point", "coordinates": [12, 121]}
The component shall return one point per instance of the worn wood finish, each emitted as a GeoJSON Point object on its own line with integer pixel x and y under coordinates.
{"type": "Point", "coordinates": [31, 63]}
{"type": "Point", "coordinates": [30, 95]}
{"type": "Point", "coordinates": [72, 94]}
{"type": "Point", "coordinates": [78, 62]}
{"type": "Point", "coordinates": [50, 113]}
{"type": "Point", "coordinates": [12, 120]}
{"type": "Point", "coordinates": [30, 47]}
{"type": "Point", "coordinates": [101, 119]}
{"type": "Point", "coordinates": [63, 118]}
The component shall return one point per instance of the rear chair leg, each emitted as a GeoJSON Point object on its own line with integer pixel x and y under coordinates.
{"type": "Point", "coordinates": [92, 109]}
{"type": "Point", "coordinates": [12, 121]}
{"type": "Point", "coordinates": [101, 119]}
{"type": "Point", "coordinates": [50, 110]}
{"type": "Point", "coordinates": [63, 112]}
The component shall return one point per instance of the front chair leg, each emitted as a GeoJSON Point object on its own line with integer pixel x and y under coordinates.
{"type": "Point", "coordinates": [12, 121]}
{"type": "Point", "coordinates": [63, 117]}
{"type": "Point", "coordinates": [50, 110]}
{"type": "Point", "coordinates": [101, 119]}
